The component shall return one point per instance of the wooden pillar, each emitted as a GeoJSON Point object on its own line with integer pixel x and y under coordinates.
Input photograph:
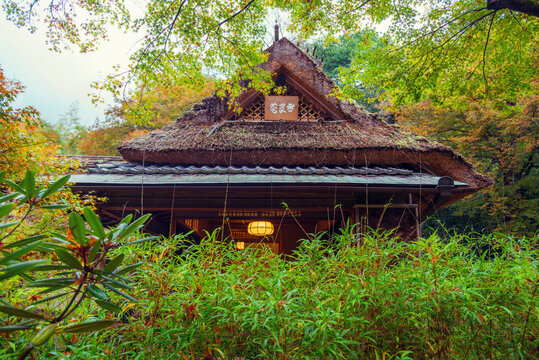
{"type": "Point", "coordinates": [416, 213]}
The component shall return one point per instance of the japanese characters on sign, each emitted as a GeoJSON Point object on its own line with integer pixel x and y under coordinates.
{"type": "Point", "coordinates": [281, 108]}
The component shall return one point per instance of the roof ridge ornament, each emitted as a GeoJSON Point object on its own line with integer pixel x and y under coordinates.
{"type": "Point", "coordinates": [276, 38]}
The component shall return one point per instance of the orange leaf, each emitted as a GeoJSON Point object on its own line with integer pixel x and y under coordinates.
{"type": "Point", "coordinates": [69, 235]}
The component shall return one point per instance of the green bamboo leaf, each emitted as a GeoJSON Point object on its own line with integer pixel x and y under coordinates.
{"type": "Point", "coordinates": [17, 254]}
{"type": "Point", "coordinates": [43, 335]}
{"type": "Point", "coordinates": [18, 268]}
{"type": "Point", "coordinates": [128, 269]}
{"type": "Point", "coordinates": [57, 283]}
{"type": "Point", "coordinates": [116, 283]}
{"type": "Point", "coordinates": [115, 274]}
{"type": "Point", "coordinates": [137, 224]}
{"type": "Point", "coordinates": [94, 250]}
{"type": "Point", "coordinates": [64, 273]}
{"type": "Point", "coordinates": [114, 263]}
{"type": "Point", "coordinates": [78, 229]}
{"type": "Point", "coordinates": [67, 258]}
{"type": "Point", "coordinates": [142, 240]}
{"type": "Point", "coordinates": [12, 310]}
{"type": "Point", "coordinates": [5, 209]}
{"type": "Point", "coordinates": [13, 328]}
{"type": "Point", "coordinates": [51, 267]}
{"type": "Point", "coordinates": [48, 290]}
{"type": "Point", "coordinates": [25, 241]}
{"type": "Point", "coordinates": [121, 293]}
{"type": "Point", "coordinates": [58, 236]}
{"type": "Point", "coordinates": [50, 298]}
{"type": "Point", "coordinates": [29, 183]}
{"type": "Point", "coordinates": [121, 226]}
{"type": "Point", "coordinates": [108, 306]}
{"type": "Point", "coordinates": [506, 310]}
{"type": "Point", "coordinates": [55, 206]}
{"type": "Point", "coordinates": [7, 197]}
{"type": "Point", "coordinates": [94, 222]}
{"type": "Point", "coordinates": [7, 224]}
{"type": "Point", "coordinates": [20, 326]}
{"type": "Point", "coordinates": [97, 293]}
{"type": "Point", "coordinates": [15, 187]}
{"type": "Point", "coordinates": [126, 220]}
{"type": "Point", "coordinates": [88, 326]}
{"type": "Point", "coordinates": [37, 192]}
{"type": "Point", "coordinates": [54, 187]}
{"type": "Point", "coordinates": [26, 277]}
{"type": "Point", "coordinates": [49, 247]}
{"type": "Point", "coordinates": [106, 275]}
{"type": "Point", "coordinates": [113, 235]}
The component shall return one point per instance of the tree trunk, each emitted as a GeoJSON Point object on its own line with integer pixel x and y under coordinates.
{"type": "Point", "coordinates": [530, 7]}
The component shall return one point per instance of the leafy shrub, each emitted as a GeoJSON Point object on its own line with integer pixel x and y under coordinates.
{"type": "Point", "coordinates": [456, 299]}
{"type": "Point", "coordinates": [76, 266]}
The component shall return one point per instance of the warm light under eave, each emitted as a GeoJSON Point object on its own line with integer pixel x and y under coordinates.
{"type": "Point", "coordinates": [260, 228]}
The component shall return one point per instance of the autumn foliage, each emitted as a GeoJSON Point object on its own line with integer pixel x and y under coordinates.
{"type": "Point", "coordinates": [151, 106]}
{"type": "Point", "coordinates": [502, 140]}
{"type": "Point", "coordinates": [24, 142]}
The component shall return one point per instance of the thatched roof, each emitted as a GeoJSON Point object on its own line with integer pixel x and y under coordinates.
{"type": "Point", "coordinates": [342, 135]}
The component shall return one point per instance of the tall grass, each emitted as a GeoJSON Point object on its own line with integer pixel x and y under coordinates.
{"type": "Point", "coordinates": [462, 298]}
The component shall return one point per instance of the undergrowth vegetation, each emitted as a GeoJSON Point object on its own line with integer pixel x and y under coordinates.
{"type": "Point", "coordinates": [373, 298]}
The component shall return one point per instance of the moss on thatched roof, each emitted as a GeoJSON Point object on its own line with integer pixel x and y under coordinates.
{"type": "Point", "coordinates": [237, 135]}
{"type": "Point", "coordinates": [207, 136]}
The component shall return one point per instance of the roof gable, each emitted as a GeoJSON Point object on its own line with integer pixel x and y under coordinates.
{"type": "Point", "coordinates": [310, 106]}
{"type": "Point", "coordinates": [302, 76]}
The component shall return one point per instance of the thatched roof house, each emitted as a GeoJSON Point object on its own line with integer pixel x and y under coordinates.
{"type": "Point", "coordinates": [321, 153]}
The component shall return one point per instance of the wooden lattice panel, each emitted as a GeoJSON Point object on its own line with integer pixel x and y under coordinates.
{"type": "Point", "coordinates": [238, 213]}
{"type": "Point", "coordinates": [307, 110]}
{"type": "Point", "coordinates": [259, 214]}
{"type": "Point", "coordinates": [242, 235]}
{"type": "Point", "coordinates": [254, 111]}
{"type": "Point", "coordinates": [192, 224]}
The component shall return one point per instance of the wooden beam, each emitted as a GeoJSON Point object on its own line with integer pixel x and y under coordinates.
{"type": "Point", "coordinates": [131, 208]}
{"type": "Point", "coordinates": [313, 97]}
{"type": "Point", "coordinates": [111, 215]}
{"type": "Point", "coordinates": [164, 204]}
{"type": "Point", "coordinates": [286, 188]}
{"type": "Point", "coordinates": [389, 206]}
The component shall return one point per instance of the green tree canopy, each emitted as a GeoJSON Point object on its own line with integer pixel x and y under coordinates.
{"type": "Point", "coordinates": [462, 42]}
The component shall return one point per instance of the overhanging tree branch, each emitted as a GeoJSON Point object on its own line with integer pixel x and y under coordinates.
{"type": "Point", "coordinates": [485, 51]}
{"type": "Point", "coordinates": [236, 14]}
{"type": "Point", "coordinates": [458, 33]}
{"type": "Point", "coordinates": [438, 28]}
{"type": "Point", "coordinates": [530, 7]}
{"type": "Point", "coordinates": [358, 7]}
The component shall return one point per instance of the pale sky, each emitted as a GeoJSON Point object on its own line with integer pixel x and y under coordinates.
{"type": "Point", "coordinates": [55, 80]}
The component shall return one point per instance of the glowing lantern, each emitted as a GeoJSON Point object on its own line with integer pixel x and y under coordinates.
{"type": "Point", "coordinates": [260, 228]}
{"type": "Point", "coordinates": [240, 245]}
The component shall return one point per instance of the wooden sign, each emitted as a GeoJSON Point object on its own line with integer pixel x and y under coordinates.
{"type": "Point", "coordinates": [281, 108]}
